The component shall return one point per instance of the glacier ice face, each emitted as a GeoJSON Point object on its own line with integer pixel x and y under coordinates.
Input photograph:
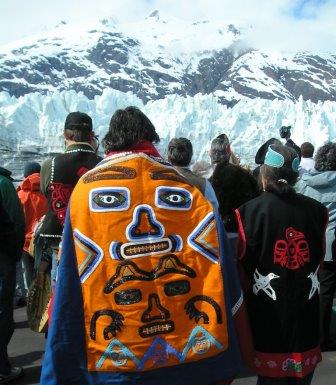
{"type": "Point", "coordinates": [34, 122]}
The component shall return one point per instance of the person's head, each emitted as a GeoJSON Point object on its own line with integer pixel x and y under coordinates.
{"type": "Point", "coordinates": [127, 128]}
{"type": "Point", "coordinates": [180, 152]}
{"type": "Point", "coordinates": [285, 132]}
{"type": "Point", "coordinates": [31, 168]}
{"type": "Point", "coordinates": [261, 153]}
{"type": "Point", "coordinates": [78, 128]}
{"type": "Point", "coordinates": [279, 172]}
{"type": "Point", "coordinates": [233, 186]}
{"type": "Point", "coordinates": [307, 150]}
{"type": "Point", "coordinates": [325, 158]}
{"type": "Point", "coordinates": [220, 149]}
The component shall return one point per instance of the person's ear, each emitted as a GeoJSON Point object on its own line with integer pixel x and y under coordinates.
{"type": "Point", "coordinates": [228, 150]}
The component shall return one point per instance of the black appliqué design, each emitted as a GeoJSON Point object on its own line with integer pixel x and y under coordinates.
{"type": "Point", "coordinates": [159, 314]}
{"type": "Point", "coordinates": [171, 264]}
{"type": "Point", "coordinates": [129, 271]}
{"type": "Point", "coordinates": [162, 327]}
{"type": "Point", "coordinates": [167, 174]}
{"type": "Point", "coordinates": [193, 312]}
{"type": "Point", "coordinates": [115, 325]}
{"type": "Point", "coordinates": [110, 172]}
{"type": "Point", "coordinates": [127, 297]}
{"type": "Point", "coordinates": [126, 271]}
{"type": "Point", "coordinates": [176, 288]}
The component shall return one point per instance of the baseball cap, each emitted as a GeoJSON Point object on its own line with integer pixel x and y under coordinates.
{"type": "Point", "coordinates": [78, 121]}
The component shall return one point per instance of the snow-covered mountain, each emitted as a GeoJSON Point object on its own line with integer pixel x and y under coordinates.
{"type": "Point", "coordinates": [194, 80]}
{"type": "Point", "coordinates": [154, 58]}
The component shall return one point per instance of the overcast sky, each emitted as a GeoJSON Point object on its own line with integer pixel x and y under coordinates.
{"type": "Point", "coordinates": [293, 24]}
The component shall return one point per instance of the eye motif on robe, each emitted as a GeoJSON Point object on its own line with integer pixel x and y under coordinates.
{"type": "Point", "coordinates": [109, 199]}
{"type": "Point", "coordinates": [172, 198]}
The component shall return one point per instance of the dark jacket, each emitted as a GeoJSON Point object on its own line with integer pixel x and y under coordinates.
{"type": "Point", "coordinates": [295, 147]}
{"type": "Point", "coordinates": [283, 245]}
{"type": "Point", "coordinates": [333, 247]}
{"type": "Point", "coordinates": [233, 186]}
{"type": "Point", "coordinates": [59, 176]}
{"type": "Point", "coordinates": [12, 219]}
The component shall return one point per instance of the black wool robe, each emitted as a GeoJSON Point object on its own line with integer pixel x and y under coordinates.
{"type": "Point", "coordinates": [281, 247]}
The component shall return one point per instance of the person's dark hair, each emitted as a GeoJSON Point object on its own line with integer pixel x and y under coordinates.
{"type": "Point", "coordinates": [82, 135]}
{"type": "Point", "coordinates": [78, 127]}
{"type": "Point", "coordinates": [307, 150]}
{"type": "Point", "coordinates": [219, 150]}
{"type": "Point", "coordinates": [280, 180]}
{"type": "Point", "coordinates": [180, 152]}
{"type": "Point", "coordinates": [285, 132]}
{"type": "Point", "coordinates": [127, 128]}
{"type": "Point", "coordinates": [325, 158]}
{"type": "Point", "coordinates": [233, 186]}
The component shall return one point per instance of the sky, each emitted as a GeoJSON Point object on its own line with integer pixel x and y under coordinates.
{"type": "Point", "coordinates": [276, 24]}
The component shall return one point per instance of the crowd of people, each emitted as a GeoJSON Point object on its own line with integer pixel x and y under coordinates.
{"type": "Point", "coordinates": [151, 269]}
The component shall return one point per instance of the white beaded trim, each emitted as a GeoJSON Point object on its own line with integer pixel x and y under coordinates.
{"type": "Point", "coordinates": [50, 236]}
{"type": "Point", "coordinates": [52, 169]}
{"type": "Point", "coordinates": [80, 150]}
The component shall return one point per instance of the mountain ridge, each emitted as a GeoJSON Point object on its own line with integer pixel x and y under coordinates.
{"type": "Point", "coordinates": [154, 58]}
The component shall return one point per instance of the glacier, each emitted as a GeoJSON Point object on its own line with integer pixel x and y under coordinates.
{"type": "Point", "coordinates": [31, 126]}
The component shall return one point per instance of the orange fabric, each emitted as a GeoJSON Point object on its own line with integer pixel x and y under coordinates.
{"type": "Point", "coordinates": [156, 314]}
{"type": "Point", "coordinates": [34, 204]}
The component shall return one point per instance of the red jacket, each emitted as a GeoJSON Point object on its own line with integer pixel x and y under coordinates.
{"type": "Point", "coordinates": [34, 204]}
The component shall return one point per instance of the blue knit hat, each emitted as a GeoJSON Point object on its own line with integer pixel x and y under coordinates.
{"type": "Point", "coordinates": [277, 160]}
{"type": "Point", "coordinates": [31, 168]}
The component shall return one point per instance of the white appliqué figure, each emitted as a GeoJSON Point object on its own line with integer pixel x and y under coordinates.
{"type": "Point", "coordinates": [315, 283]}
{"type": "Point", "coordinates": [263, 282]}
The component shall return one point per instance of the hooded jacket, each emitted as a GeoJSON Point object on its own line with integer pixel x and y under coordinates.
{"type": "Point", "coordinates": [33, 202]}
{"type": "Point", "coordinates": [11, 205]}
{"type": "Point", "coordinates": [322, 187]}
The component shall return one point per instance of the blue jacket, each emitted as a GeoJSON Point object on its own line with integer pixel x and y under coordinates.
{"type": "Point", "coordinates": [322, 187]}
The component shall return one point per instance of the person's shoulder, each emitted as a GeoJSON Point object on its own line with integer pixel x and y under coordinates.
{"type": "Point", "coordinates": [303, 181]}
{"type": "Point", "coordinates": [46, 163]}
{"type": "Point", "coordinates": [309, 202]}
{"type": "Point", "coordinates": [256, 202]}
{"type": "Point", "coordinates": [6, 182]}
